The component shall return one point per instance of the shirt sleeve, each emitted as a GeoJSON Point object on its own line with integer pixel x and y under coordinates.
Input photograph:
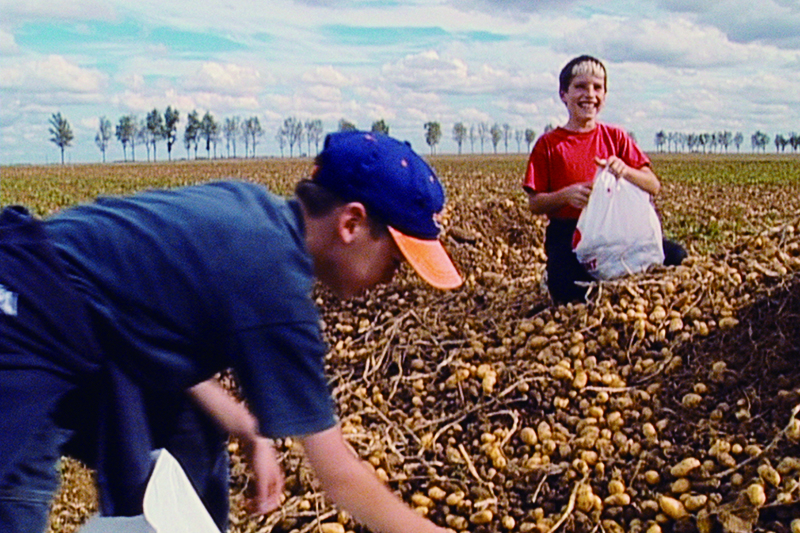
{"type": "Point", "coordinates": [537, 177]}
{"type": "Point", "coordinates": [630, 152]}
{"type": "Point", "coordinates": [281, 371]}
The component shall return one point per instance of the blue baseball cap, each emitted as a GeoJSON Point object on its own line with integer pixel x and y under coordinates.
{"type": "Point", "coordinates": [398, 188]}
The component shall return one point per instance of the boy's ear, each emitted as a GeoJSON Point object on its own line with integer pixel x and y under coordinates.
{"type": "Point", "coordinates": [351, 221]}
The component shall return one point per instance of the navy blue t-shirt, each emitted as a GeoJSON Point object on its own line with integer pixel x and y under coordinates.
{"type": "Point", "coordinates": [186, 282]}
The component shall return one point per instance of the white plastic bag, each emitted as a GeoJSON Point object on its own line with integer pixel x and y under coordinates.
{"type": "Point", "coordinates": [171, 505]}
{"type": "Point", "coordinates": [618, 231]}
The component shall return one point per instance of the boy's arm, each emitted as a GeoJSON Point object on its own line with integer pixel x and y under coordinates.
{"type": "Point", "coordinates": [234, 418]}
{"type": "Point", "coordinates": [355, 488]}
{"type": "Point", "coordinates": [543, 203]}
{"type": "Point", "coordinates": [644, 177]}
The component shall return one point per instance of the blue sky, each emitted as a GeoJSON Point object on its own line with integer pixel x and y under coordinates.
{"type": "Point", "coordinates": [674, 65]}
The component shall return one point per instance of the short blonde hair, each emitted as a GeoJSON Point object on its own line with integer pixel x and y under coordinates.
{"type": "Point", "coordinates": [581, 65]}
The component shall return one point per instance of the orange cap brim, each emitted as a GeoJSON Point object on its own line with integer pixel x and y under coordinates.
{"type": "Point", "coordinates": [429, 259]}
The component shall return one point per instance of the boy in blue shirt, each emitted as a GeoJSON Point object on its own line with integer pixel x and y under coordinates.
{"type": "Point", "coordinates": [114, 310]}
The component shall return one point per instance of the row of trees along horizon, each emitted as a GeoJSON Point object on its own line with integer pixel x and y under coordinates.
{"type": "Point", "coordinates": [293, 132]}
{"type": "Point", "coordinates": [723, 140]}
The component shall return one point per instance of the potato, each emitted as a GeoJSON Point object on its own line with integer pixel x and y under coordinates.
{"type": "Point", "coordinates": [756, 495]}
{"type": "Point", "coordinates": [482, 517]}
{"type": "Point", "coordinates": [331, 527]}
{"type": "Point", "coordinates": [769, 474]}
{"type": "Point", "coordinates": [683, 468]}
{"type": "Point", "coordinates": [672, 508]}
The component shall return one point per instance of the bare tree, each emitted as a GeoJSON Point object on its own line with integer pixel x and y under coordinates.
{"type": "Point", "coordinates": [759, 141]}
{"type": "Point", "coordinates": [292, 131]}
{"type": "Point", "coordinates": [496, 133]}
{"type": "Point", "coordinates": [103, 136]}
{"type": "Point", "coordinates": [256, 132]}
{"type": "Point", "coordinates": [282, 140]}
{"type": "Point", "coordinates": [246, 126]}
{"type": "Point", "coordinates": [296, 134]}
{"type": "Point", "coordinates": [660, 139]}
{"type": "Point", "coordinates": [459, 134]}
{"type": "Point", "coordinates": [738, 139]}
{"type": "Point", "coordinates": [794, 140]}
{"type": "Point", "coordinates": [483, 133]}
{"type": "Point", "coordinates": [230, 130]}
{"type": "Point", "coordinates": [313, 133]}
{"type": "Point", "coordinates": [530, 136]}
{"type": "Point", "coordinates": [472, 138]}
{"type": "Point", "coordinates": [506, 135]}
{"type": "Point", "coordinates": [143, 136]}
{"type": "Point", "coordinates": [135, 134]}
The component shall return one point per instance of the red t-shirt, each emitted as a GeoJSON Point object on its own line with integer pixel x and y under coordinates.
{"type": "Point", "coordinates": [561, 157]}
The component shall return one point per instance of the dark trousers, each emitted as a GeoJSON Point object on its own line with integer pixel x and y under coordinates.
{"type": "Point", "coordinates": [564, 270]}
{"type": "Point", "coordinates": [46, 348]}
{"type": "Point", "coordinates": [59, 396]}
{"type": "Point", "coordinates": [200, 447]}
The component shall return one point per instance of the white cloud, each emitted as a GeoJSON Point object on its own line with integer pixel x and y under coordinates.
{"type": "Point", "coordinates": [15, 10]}
{"type": "Point", "coordinates": [323, 93]}
{"type": "Point", "coordinates": [228, 79]}
{"type": "Point", "coordinates": [427, 71]}
{"type": "Point", "coordinates": [52, 73]}
{"type": "Point", "coordinates": [8, 45]}
{"type": "Point", "coordinates": [326, 75]}
{"type": "Point", "coordinates": [675, 42]}
{"type": "Point", "coordinates": [90, 123]}
{"type": "Point", "coordinates": [514, 6]}
{"type": "Point", "coordinates": [218, 104]}
{"type": "Point", "coordinates": [133, 81]}
{"type": "Point", "coordinates": [774, 22]}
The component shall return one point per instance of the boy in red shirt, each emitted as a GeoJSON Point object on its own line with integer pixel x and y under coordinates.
{"type": "Point", "coordinates": [563, 164]}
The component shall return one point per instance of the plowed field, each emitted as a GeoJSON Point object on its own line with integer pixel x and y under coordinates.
{"type": "Point", "coordinates": [669, 402]}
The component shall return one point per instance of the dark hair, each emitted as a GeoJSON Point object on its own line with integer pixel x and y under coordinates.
{"type": "Point", "coordinates": [568, 72]}
{"type": "Point", "coordinates": [319, 201]}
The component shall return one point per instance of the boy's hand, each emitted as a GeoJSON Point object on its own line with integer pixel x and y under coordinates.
{"type": "Point", "coordinates": [644, 177]}
{"type": "Point", "coordinates": [265, 492]}
{"type": "Point", "coordinates": [259, 453]}
{"type": "Point", "coordinates": [616, 165]}
{"type": "Point", "coordinates": [577, 195]}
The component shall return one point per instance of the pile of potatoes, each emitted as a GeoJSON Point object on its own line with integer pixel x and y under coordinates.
{"type": "Point", "coordinates": [488, 409]}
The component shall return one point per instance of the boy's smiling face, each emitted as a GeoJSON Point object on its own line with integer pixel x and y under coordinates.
{"type": "Point", "coordinates": [584, 99]}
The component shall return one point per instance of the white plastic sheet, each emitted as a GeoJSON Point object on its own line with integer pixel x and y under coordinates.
{"type": "Point", "coordinates": [171, 505]}
{"type": "Point", "coordinates": [618, 231]}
